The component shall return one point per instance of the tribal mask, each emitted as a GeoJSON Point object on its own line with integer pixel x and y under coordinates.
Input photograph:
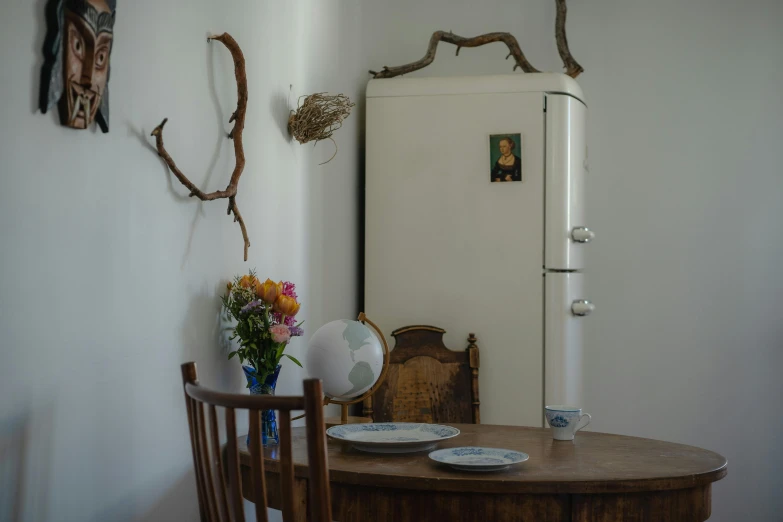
{"type": "Point", "coordinates": [76, 72]}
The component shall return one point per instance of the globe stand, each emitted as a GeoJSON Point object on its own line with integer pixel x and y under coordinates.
{"type": "Point", "coordinates": [344, 417]}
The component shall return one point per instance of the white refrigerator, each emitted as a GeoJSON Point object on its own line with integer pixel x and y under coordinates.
{"type": "Point", "coordinates": [474, 222]}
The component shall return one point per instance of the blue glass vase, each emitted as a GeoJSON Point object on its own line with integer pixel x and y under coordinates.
{"type": "Point", "coordinates": [269, 434]}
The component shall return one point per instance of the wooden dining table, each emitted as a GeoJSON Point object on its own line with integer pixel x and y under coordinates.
{"type": "Point", "coordinates": [596, 477]}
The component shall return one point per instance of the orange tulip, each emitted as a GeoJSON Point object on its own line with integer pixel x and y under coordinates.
{"type": "Point", "coordinates": [248, 281]}
{"type": "Point", "coordinates": [268, 291]}
{"type": "Point", "coordinates": [286, 305]}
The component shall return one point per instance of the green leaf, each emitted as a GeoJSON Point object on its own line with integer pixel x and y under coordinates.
{"type": "Point", "coordinates": [294, 359]}
{"type": "Point", "coordinates": [231, 354]}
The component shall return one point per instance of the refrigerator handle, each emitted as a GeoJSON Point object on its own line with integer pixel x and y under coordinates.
{"type": "Point", "coordinates": [582, 307]}
{"type": "Point", "coordinates": [582, 235]}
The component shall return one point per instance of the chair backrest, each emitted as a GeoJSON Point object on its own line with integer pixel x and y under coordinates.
{"type": "Point", "coordinates": [426, 381]}
{"type": "Point", "coordinates": [220, 489]}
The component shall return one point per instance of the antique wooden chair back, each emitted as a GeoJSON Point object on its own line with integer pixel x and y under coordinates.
{"type": "Point", "coordinates": [426, 381]}
{"type": "Point", "coordinates": [219, 493]}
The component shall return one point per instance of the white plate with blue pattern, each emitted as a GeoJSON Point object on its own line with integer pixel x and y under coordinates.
{"type": "Point", "coordinates": [392, 437]}
{"type": "Point", "coordinates": [478, 459]}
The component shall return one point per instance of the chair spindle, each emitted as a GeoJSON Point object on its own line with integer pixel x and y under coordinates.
{"type": "Point", "coordinates": [320, 502]}
{"type": "Point", "coordinates": [232, 456]}
{"type": "Point", "coordinates": [286, 466]}
{"type": "Point", "coordinates": [257, 466]}
{"type": "Point", "coordinates": [218, 464]}
{"type": "Point", "coordinates": [206, 461]}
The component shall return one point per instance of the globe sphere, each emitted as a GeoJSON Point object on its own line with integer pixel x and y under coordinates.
{"type": "Point", "coordinates": [346, 356]}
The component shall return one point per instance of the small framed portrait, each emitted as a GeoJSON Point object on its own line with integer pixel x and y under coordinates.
{"type": "Point", "coordinates": [505, 153]}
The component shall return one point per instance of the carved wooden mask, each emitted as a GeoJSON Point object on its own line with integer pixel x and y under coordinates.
{"type": "Point", "coordinates": [75, 75]}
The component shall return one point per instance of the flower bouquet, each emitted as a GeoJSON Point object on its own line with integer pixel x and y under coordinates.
{"type": "Point", "coordinates": [265, 315]}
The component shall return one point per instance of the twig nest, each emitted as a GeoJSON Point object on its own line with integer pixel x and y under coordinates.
{"type": "Point", "coordinates": [318, 116]}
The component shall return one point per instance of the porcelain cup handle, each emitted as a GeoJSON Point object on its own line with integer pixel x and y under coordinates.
{"type": "Point", "coordinates": [582, 424]}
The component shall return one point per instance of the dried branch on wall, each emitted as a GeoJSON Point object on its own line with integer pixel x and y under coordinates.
{"type": "Point", "coordinates": [236, 134]}
{"type": "Point", "coordinates": [318, 117]}
{"type": "Point", "coordinates": [573, 69]}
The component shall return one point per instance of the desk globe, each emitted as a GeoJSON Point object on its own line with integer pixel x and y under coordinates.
{"type": "Point", "coordinates": [349, 359]}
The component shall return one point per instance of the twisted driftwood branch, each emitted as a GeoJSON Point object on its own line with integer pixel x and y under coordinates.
{"type": "Point", "coordinates": [236, 134]}
{"type": "Point", "coordinates": [573, 69]}
{"type": "Point", "coordinates": [460, 42]}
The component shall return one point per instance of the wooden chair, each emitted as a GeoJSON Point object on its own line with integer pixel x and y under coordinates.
{"type": "Point", "coordinates": [426, 381]}
{"type": "Point", "coordinates": [219, 501]}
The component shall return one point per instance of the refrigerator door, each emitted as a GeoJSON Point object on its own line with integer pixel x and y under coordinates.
{"type": "Point", "coordinates": [446, 246]}
{"type": "Point", "coordinates": [566, 165]}
{"type": "Point", "coordinates": [566, 309]}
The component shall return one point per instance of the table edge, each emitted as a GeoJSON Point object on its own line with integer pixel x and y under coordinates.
{"type": "Point", "coordinates": [465, 482]}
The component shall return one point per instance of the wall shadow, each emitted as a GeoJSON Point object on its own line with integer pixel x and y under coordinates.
{"type": "Point", "coordinates": [221, 120]}
{"type": "Point", "coordinates": [204, 336]}
{"type": "Point", "coordinates": [143, 138]}
{"type": "Point", "coordinates": [179, 502]}
{"type": "Point", "coordinates": [25, 462]}
{"type": "Point", "coordinates": [203, 339]}
{"type": "Point", "coordinates": [39, 13]}
{"type": "Point", "coordinates": [14, 435]}
{"type": "Point", "coordinates": [280, 108]}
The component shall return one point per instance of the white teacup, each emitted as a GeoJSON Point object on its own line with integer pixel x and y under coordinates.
{"type": "Point", "coordinates": [565, 421]}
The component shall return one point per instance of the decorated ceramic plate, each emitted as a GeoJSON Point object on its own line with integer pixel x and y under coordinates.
{"type": "Point", "coordinates": [392, 437]}
{"type": "Point", "coordinates": [478, 459]}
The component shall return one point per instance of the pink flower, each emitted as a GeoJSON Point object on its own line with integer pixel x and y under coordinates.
{"type": "Point", "coordinates": [280, 333]}
{"type": "Point", "coordinates": [289, 289]}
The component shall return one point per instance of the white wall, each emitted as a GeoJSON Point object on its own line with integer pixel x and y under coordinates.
{"type": "Point", "coordinates": [110, 275]}
{"type": "Point", "coordinates": [685, 134]}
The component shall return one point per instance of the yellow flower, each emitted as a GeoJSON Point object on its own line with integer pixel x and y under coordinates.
{"type": "Point", "coordinates": [286, 305]}
{"type": "Point", "coordinates": [229, 287]}
{"type": "Point", "coordinates": [268, 291]}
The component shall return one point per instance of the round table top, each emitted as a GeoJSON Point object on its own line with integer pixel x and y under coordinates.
{"type": "Point", "coordinates": [591, 463]}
